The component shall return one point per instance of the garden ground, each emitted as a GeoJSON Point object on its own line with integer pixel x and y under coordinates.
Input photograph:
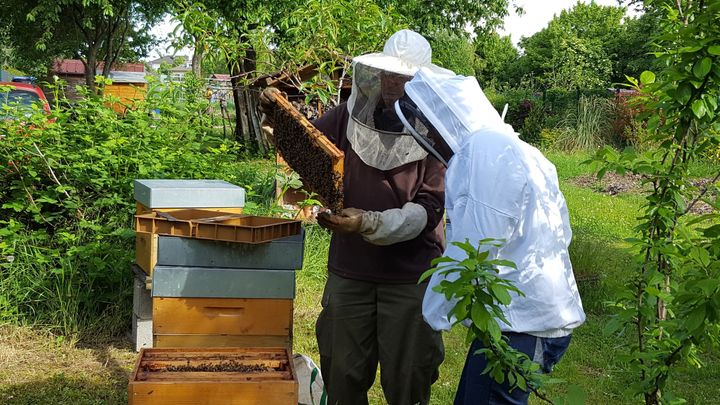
{"type": "Point", "coordinates": [39, 368]}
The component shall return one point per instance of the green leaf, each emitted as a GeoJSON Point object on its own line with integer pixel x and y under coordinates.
{"type": "Point", "coordinates": [683, 93]}
{"type": "Point", "coordinates": [714, 50]}
{"type": "Point", "coordinates": [500, 294]}
{"type": "Point", "coordinates": [702, 67]}
{"type": "Point", "coordinates": [695, 318]}
{"type": "Point", "coordinates": [480, 316]}
{"type": "Point", "coordinates": [698, 108]}
{"type": "Point", "coordinates": [647, 77]}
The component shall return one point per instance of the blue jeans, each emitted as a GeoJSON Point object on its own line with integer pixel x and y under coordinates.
{"type": "Point", "coordinates": [476, 388]}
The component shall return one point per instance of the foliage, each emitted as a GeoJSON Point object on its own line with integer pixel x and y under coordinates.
{"type": "Point", "coordinates": [67, 204]}
{"type": "Point", "coordinates": [454, 52]}
{"type": "Point", "coordinates": [673, 304]}
{"type": "Point", "coordinates": [108, 31]}
{"type": "Point", "coordinates": [631, 49]}
{"type": "Point", "coordinates": [625, 127]}
{"type": "Point", "coordinates": [479, 294]}
{"type": "Point", "coordinates": [327, 33]}
{"type": "Point", "coordinates": [573, 51]}
{"type": "Point", "coordinates": [587, 126]}
{"type": "Point", "coordinates": [428, 17]}
{"type": "Point", "coordinates": [495, 57]}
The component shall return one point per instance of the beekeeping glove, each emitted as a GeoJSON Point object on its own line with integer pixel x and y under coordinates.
{"type": "Point", "coordinates": [267, 104]}
{"type": "Point", "coordinates": [348, 221]}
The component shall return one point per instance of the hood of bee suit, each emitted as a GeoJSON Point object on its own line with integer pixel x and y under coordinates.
{"type": "Point", "coordinates": [455, 105]}
{"type": "Point", "coordinates": [374, 130]}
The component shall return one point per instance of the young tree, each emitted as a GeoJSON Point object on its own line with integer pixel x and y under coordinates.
{"type": "Point", "coordinates": [328, 34]}
{"type": "Point", "coordinates": [672, 306]}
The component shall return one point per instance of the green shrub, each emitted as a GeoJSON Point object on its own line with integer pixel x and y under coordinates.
{"type": "Point", "coordinates": [66, 204]}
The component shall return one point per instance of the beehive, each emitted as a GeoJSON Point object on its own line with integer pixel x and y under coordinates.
{"type": "Point", "coordinates": [222, 302]}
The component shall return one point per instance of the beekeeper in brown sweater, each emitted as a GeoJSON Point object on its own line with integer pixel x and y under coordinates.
{"type": "Point", "coordinates": [384, 240]}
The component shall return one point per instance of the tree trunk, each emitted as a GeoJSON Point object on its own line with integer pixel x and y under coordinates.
{"type": "Point", "coordinates": [90, 66]}
{"type": "Point", "coordinates": [244, 117]}
{"type": "Point", "coordinates": [236, 99]}
{"type": "Point", "coordinates": [197, 59]}
{"type": "Point", "coordinates": [252, 112]}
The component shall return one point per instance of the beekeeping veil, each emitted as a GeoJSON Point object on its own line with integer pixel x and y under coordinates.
{"type": "Point", "coordinates": [454, 106]}
{"type": "Point", "coordinates": [374, 130]}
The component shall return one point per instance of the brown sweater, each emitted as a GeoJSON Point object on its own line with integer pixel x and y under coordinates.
{"type": "Point", "coordinates": [365, 187]}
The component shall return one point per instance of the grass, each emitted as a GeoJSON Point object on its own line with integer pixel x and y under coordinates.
{"type": "Point", "coordinates": [36, 368]}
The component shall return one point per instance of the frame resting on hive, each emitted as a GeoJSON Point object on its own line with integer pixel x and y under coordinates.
{"type": "Point", "coordinates": [307, 151]}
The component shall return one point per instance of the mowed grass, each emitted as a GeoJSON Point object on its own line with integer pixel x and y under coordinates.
{"type": "Point", "coordinates": [36, 369]}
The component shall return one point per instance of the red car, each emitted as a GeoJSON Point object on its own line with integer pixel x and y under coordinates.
{"type": "Point", "coordinates": [22, 95]}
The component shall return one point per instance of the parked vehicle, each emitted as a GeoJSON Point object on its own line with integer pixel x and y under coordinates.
{"type": "Point", "coordinates": [21, 96]}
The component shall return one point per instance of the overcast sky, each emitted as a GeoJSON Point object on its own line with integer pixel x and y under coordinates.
{"type": "Point", "coordinates": [537, 14]}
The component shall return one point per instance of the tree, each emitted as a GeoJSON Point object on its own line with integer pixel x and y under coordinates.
{"type": "Point", "coordinates": [496, 57]}
{"type": "Point", "coordinates": [107, 31]}
{"type": "Point", "coordinates": [573, 50]}
{"type": "Point", "coordinates": [632, 48]}
{"type": "Point", "coordinates": [457, 16]}
{"type": "Point", "coordinates": [454, 52]}
{"type": "Point", "coordinates": [672, 307]}
{"type": "Point", "coordinates": [328, 34]}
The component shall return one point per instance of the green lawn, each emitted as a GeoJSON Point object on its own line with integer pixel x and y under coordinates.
{"type": "Point", "coordinates": [36, 368]}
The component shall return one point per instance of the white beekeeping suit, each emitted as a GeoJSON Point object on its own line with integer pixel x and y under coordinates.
{"type": "Point", "coordinates": [498, 186]}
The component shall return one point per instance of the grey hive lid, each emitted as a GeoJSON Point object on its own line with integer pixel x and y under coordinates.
{"type": "Point", "coordinates": [171, 193]}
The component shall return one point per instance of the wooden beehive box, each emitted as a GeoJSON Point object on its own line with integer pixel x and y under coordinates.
{"type": "Point", "coordinates": [231, 376]}
{"type": "Point", "coordinates": [222, 322]}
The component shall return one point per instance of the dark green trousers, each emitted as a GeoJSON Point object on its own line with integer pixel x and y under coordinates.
{"type": "Point", "coordinates": [363, 324]}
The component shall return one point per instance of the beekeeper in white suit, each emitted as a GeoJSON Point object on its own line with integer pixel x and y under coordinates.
{"type": "Point", "coordinates": [384, 240]}
{"type": "Point", "coordinates": [497, 186]}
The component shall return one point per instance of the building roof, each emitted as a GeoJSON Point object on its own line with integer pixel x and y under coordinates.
{"type": "Point", "coordinates": [220, 76]}
{"type": "Point", "coordinates": [76, 67]}
{"type": "Point", "coordinates": [165, 59]}
{"type": "Point", "coordinates": [128, 77]}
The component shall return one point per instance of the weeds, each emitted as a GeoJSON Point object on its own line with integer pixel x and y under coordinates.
{"type": "Point", "coordinates": [66, 204]}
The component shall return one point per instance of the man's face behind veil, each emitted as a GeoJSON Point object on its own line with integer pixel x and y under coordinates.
{"type": "Point", "coordinates": [392, 87]}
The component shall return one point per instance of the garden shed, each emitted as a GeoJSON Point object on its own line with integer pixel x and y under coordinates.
{"type": "Point", "coordinates": [128, 87]}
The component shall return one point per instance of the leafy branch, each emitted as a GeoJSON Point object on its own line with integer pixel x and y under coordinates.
{"type": "Point", "coordinates": [480, 294]}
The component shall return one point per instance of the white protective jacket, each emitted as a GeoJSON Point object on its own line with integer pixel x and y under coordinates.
{"type": "Point", "coordinates": [498, 186]}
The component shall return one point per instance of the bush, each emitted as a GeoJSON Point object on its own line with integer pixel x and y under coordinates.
{"type": "Point", "coordinates": [67, 199]}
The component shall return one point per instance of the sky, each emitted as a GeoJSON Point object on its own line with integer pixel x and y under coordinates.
{"type": "Point", "coordinates": [537, 14]}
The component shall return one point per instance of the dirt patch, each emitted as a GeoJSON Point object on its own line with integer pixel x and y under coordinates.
{"type": "Point", "coordinates": [614, 184]}
{"type": "Point", "coordinates": [611, 183]}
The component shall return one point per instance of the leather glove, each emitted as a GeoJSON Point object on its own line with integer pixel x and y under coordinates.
{"type": "Point", "coordinates": [267, 102]}
{"type": "Point", "coordinates": [348, 221]}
